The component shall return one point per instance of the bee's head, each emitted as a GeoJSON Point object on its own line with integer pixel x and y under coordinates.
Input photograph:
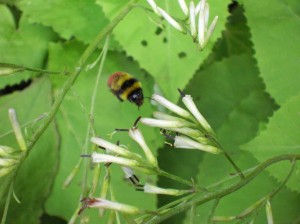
{"type": "Point", "coordinates": [137, 97]}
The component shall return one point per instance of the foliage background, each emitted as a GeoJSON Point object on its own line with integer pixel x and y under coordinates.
{"type": "Point", "coordinates": [245, 82]}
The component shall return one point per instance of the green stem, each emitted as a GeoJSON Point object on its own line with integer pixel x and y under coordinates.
{"type": "Point", "coordinates": [212, 211]}
{"type": "Point", "coordinates": [176, 178]}
{"type": "Point", "coordinates": [201, 199]}
{"type": "Point", "coordinates": [78, 68]}
{"type": "Point", "coordinates": [5, 211]}
{"type": "Point", "coordinates": [238, 170]}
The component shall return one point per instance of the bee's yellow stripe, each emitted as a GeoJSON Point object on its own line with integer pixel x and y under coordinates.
{"type": "Point", "coordinates": [116, 85]}
{"type": "Point", "coordinates": [129, 90]}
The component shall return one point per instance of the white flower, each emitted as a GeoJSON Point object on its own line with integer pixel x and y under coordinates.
{"type": "Point", "coordinates": [184, 7]}
{"type": "Point", "coordinates": [17, 130]}
{"type": "Point", "coordinates": [104, 158]}
{"type": "Point", "coordinates": [6, 151]}
{"type": "Point", "coordinates": [110, 147]}
{"type": "Point", "coordinates": [187, 143]}
{"type": "Point", "coordinates": [171, 106]}
{"type": "Point", "coordinates": [193, 19]}
{"type": "Point", "coordinates": [153, 6]}
{"type": "Point", "coordinates": [6, 170]}
{"type": "Point", "coordinates": [204, 33]}
{"type": "Point", "coordinates": [170, 20]}
{"type": "Point", "coordinates": [161, 123]}
{"type": "Point", "coordinates": [189, 103]}
{"type": "Point", "coordinates": [269, 212]}
{"type": "Point", "coordinates": [106, 204]}
{"type": "Point", "coordinates": [137, 136]}
{"type": "Point", "coordinates": [151, 189]}
{"type": "Point", "coordinates": [4, 162]}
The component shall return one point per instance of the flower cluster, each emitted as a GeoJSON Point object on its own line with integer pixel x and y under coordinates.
{"type": "Point", "coordinates": [193, 131]}
{"type": "Point", "coordinates": [200, 32]}
{"type": "Point", "coordinates": [10, 157]}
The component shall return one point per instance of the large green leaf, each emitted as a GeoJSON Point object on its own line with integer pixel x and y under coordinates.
{"type": "Point", "coordinates": [23, 45]}
{"type": "Point", "coordinates": [276, 33]}
{"type": "Point", "coordinates": [36, 176]}
{"type": "Point", "coordinates": [169, 56]}
{"type": "Point", "coordinates": [109, 114]}
{"type": "Point", "coordinates": [82, 19]}
{"type": "Point", "coordinates": [280, 137]}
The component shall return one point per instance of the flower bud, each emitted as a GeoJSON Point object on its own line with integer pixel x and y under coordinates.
{"type": "Point", "coordinates": [106, 204]}
{"type": "Point", "coordinates": [170, 20]}
{"type": "Point", "coordinates": [137, 136]}
{"type": "Point", "coordinates": [171, 106]}
{"type": "Point", "coordinates": [103, 158]}
{"type": "Point", "coordinates": [151, 189]}
{"type": "Point", "coordinates": [187, 143]}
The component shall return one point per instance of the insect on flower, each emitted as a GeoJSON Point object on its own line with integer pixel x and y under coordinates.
{"type": "Point", "coordinates": [126, 87]}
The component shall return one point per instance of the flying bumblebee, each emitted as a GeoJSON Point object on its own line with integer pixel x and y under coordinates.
{"type": "Point", "coordinates": [126, 87]}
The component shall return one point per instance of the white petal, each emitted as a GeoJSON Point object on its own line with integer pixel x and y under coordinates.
{"type": "Point", "coordinates": [184, 7]}
{"type": "Point", "coordinates": [103, 158]}
{"type": "Point", "coordinates": [137, 136]}
{"type": "Point", "coordinates": [169, 19]}
{"type": "Point", "coordinates": [153, 6]}
{"type": "Point", "coordinates": [189, 103]}
{"type": "Point", "coordinates": [193, 19]}
{"type": "Point", "coordinates": [110, 146]}
{"type": "Point", "coordinates": [171, 106]}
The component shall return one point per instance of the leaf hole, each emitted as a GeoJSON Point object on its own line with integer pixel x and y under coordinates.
{"type": "Point", "coordinates": [182, 54]}
{"type": "Point", "coordinates": [144, 43]}
{"type": "Point", "coordinates": [165, 40]}
{"type": "Point", "coordinates": [158, 30]}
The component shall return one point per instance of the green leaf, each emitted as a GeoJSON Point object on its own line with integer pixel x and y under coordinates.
{"type": "Point", "coordinates": [276, 33]}
{"type": "Point", "coordinates": [36, 175]}
{"type": "Point", "coordinates": [110, 113]}
{"type": "Point", "coordinates": [23, 45]}
{"type": "Point", "coordinates": [169, 56]}
{"type": "Point", "coordinates": [82, 19]}
{"type": "Point", "coordinates": [280, 137]}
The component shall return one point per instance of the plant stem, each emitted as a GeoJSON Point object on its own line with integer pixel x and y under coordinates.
{"type": "Point", "coordinates": [238, 170]}
{"type": "Point", "coordinates": [78, 68]}
{"type": "Point", "coordinates": [212, 211]}
{"type": "Point", "coordinates": [201, 199]}
{"type": "Point", "coordinates": [176, 178]}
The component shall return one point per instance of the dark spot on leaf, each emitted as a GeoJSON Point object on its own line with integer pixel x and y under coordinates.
{"type": "Point", "coordinates": [182, 54]}
{"type": "Point", "coordinates": [16, 87]}
{"type": "Point", "coordinates": [144, 43]}
{"type": "Point", "coordinates": [158, 30]}
{"type": "Point", "coordinates": [165, 40]}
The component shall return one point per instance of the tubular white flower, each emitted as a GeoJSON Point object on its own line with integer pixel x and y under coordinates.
{"type": "Point", "coordinates": [17, 129]}
{"type": "Point", "coordinates": [4, 162]}
{"type": "Point", "coordinates": [184, 7]}
{"type": "Point", "coordinates": [211, 28]}
{"type": "Point", "coordinates": [161, 123]}
{"type": "Point", "coordinates": [189, 103]}
{"type": "Point", "coordinates": [269, 212]}
{"type": "Point", "coordinates": [206, 14]}
{"type": "Point", "coordinates": [151, 189]}
{"type": "Point", "coordinates": [103, 158]}
{"type": "Point", "coordinates": [153, 6]}
{"type": "Point", "coordinates": [200, 6]}
{"type": "Point", "coordinates": [138, 137]}
{"type": "Point", "coordinates": [128, 172]}
{"type": "Point", "coordinates": [171, 106]}
{"type": "Point", "coordinates": [193, 20]}
{"type": "Point", "coordinates": [111, 147]}
{"type": "Point", "coordinates": [6, 170]}
{"type": "Point", "coordinates": [201, 28]}
{"type": "Point", "coordinates": [187, 143]}
{"type": "Point", "coordinates": [6, 150]}
{"type": "Point", "coordinates": [102, 203]}
{"type": "Point", "coordinates": [170, 20]}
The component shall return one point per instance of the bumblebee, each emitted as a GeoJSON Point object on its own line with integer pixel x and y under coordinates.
{"type": "Point", "coordinates": [126, 87]}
